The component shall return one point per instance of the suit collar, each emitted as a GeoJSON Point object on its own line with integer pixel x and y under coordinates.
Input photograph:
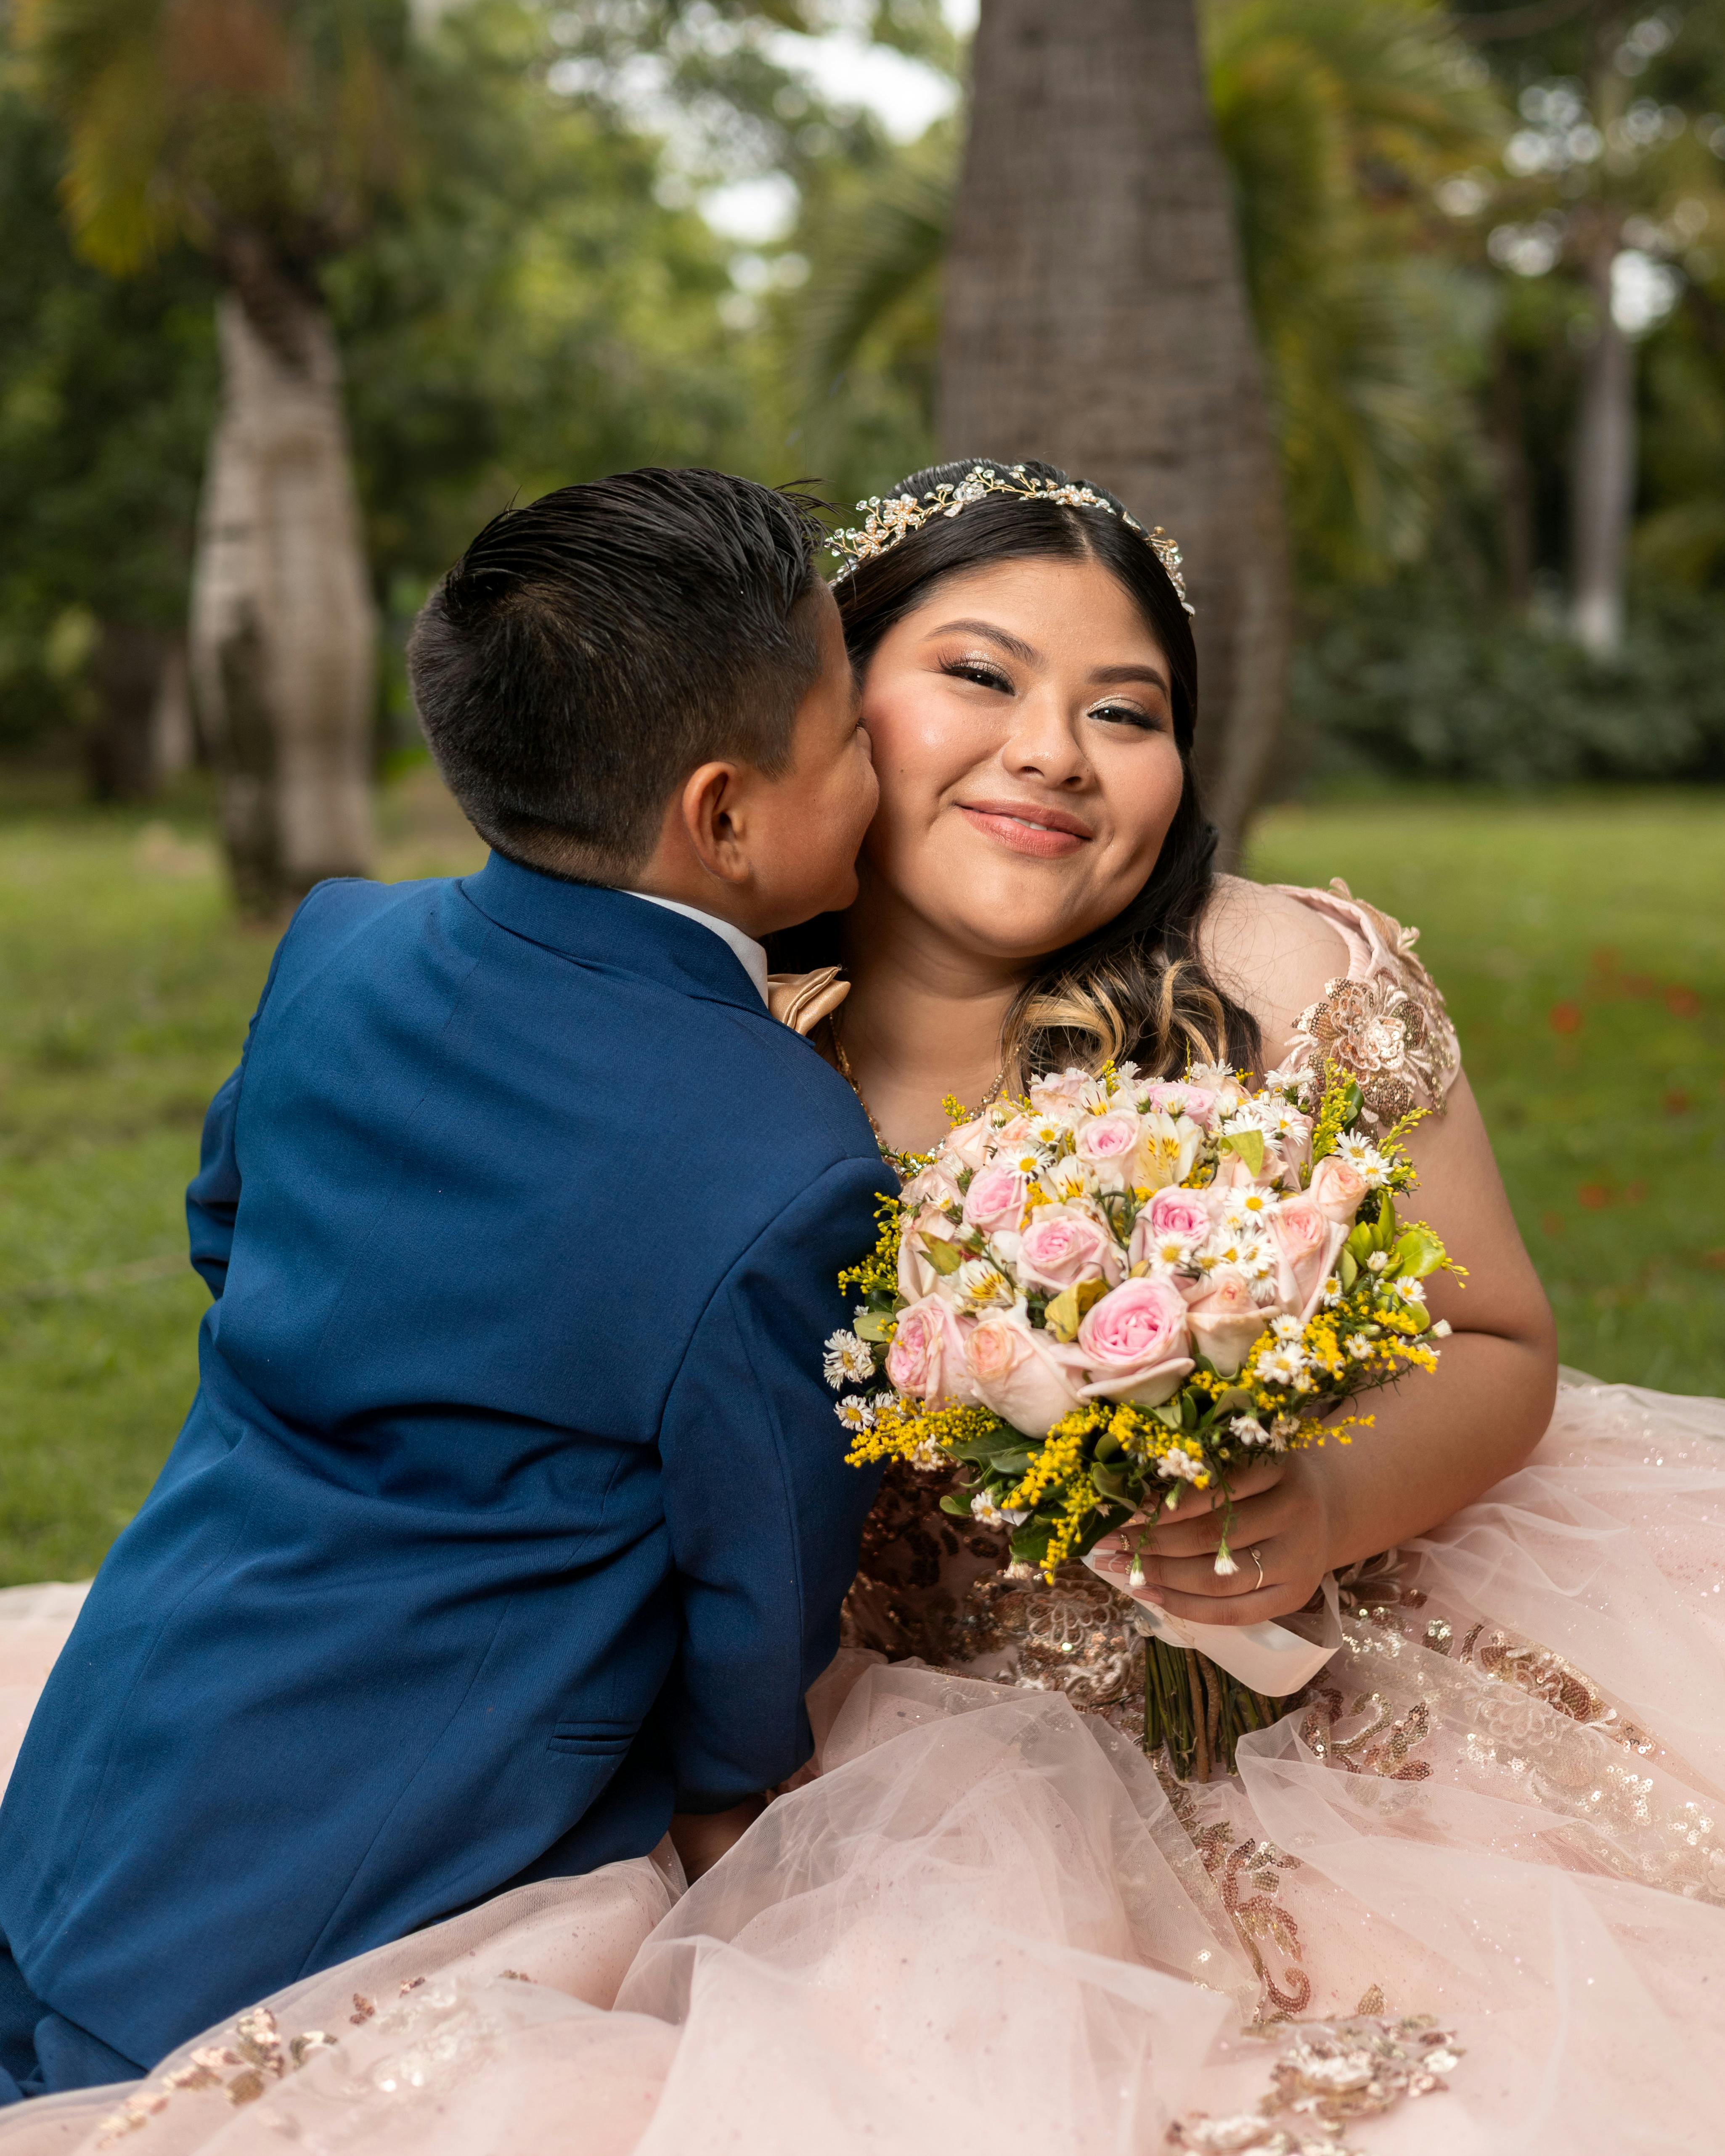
{"type": "Point", "coordinates": [593, 923]}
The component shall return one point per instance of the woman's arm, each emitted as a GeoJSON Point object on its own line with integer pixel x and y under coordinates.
{"type": "Point", "coordinates": [1436, 1442]}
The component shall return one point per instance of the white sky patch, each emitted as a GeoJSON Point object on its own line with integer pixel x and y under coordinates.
{"type": "Point", "coordinates": [754, 212]}
{"type": "Point", "coordinates": [844, 69]}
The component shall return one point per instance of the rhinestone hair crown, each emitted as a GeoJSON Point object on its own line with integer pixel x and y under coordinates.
{"type": "Point", "coordinates": [887, 522]}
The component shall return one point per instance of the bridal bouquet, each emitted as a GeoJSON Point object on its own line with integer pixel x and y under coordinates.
{"type": "Point", "coordinates": [1117, 1288]}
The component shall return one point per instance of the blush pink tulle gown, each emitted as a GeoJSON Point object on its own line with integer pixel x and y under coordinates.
{"type": "Point", "coordinates": [988, 1922]}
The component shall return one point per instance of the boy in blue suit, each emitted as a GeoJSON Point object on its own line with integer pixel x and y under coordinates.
{"type": "Point", "coordinates": [511, 1518]}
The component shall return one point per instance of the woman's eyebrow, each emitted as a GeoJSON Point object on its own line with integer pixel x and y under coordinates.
{"type": "Point", "coordinates": [1015, 644]}
{"type": "Point", "coordinates": [1113, 674]}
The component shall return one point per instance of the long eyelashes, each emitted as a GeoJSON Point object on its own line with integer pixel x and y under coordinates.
{"type": "Point", "coordinates": [978, 670]}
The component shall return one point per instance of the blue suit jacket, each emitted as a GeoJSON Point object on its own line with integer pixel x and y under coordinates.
{"type": "Point", "coordinates": [512, 1512]}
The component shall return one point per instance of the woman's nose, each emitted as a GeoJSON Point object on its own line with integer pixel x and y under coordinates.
{"type": "Point", "coordinates": [1043, 744]}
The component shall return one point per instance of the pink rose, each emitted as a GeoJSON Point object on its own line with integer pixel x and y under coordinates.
{"type": "Point", "coordinates": [1110, 1143]}
{"type": "Point", "coordinates": [917, 1277]}
{"type": "Point", "coordinates": [1026, 1377]}
{"type": "Point", "coordinates": [1336, 1189]}
{"type": "Point", "coordinates": [1224, 1322]}
{"type": "Point", "coordinates": [1307, 1245]}
{"type": "Point", "coordinates": [1182, 1214]}
{"type": "Point", "coordinates": [995, 1204]}
{"type": "Point", "coordinates": [1062, 1246]}
{"type": "Point", "coordinates": [1134, 1344]}
{"type": "Point", "coordinates": [926, 1360]}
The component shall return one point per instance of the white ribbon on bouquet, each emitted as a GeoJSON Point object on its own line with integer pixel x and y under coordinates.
{"type": "Point", "coordinates": [1272, 1659]}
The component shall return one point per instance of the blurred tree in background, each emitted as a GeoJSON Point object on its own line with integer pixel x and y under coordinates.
{"type": "Point", "coordinates": [547, 241]}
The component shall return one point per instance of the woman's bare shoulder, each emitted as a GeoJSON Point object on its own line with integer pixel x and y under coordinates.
{"type": "Point", "coordinates": [1270, 952]}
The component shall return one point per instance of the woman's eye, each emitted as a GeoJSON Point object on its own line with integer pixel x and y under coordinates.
{"type": "Point", "coordinates": [979, 670]}
{"type": "Point", "coordinates": [1128, 715]}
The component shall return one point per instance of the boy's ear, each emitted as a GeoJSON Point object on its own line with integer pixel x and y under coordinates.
{"type": "Point", "coordinates": [710, 808]}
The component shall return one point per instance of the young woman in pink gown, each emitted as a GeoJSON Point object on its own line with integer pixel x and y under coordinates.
{"type": "Point", "coordinates": [1467, 1894]}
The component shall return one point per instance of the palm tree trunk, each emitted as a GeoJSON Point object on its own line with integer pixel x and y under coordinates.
{"type": "Point", "coordinates": [284, 628]}
{"type": "Point", "coordinates": [1096, 315]}
{"type": "Point", "coordinates": [1605, 462]}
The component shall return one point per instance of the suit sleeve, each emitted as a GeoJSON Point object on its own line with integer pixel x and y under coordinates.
{"type": "Point", "coordinates": [213, 1195]}
{"type": "Point", "coordinates": [764, 1516]}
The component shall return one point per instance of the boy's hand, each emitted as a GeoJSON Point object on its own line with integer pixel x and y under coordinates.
{"type": "Point", "coordinates": [1282, 1528]}
{"type": "Point", "coordinates": [700, 1839]}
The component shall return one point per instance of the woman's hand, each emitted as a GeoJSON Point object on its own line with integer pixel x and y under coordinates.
{"type": "Point", "coordinates": [1279, 1538]}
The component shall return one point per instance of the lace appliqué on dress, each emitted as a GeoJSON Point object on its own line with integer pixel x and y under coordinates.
{"type": "Point", "coordinates": [1330, 2074]}
{"type": "Point", "coordinates": [1385, 1022]}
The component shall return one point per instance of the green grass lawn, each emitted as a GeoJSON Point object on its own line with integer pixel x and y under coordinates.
{"type": "Point", "coordinates": [1580, 944]}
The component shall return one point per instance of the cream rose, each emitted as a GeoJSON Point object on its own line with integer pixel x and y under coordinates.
{"type": "Point", "coordinates": [917, 1277]}
{"type": "Point", "coordinates": [1307, 1245]}
{"type": "Point", "coordinates": [926, 1359]}
{"type": "Point", "coordinates": [1133, 1344]}
{"type": "Point", "coordinates": [1028, 1378]}
{"type": "Point", "coordinates": [1224, 1321]}
{"type": "Point", "coordinates": [1336, 1189]}
{"type": "Point", "coordinates": [1063, 1245]}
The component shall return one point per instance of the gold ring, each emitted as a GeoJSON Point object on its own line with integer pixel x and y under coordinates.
{"type": "Point", "coordinates": [1257, 1559]}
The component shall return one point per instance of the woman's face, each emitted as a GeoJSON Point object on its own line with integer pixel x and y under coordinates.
{"type": "Point", "coordinates": [1022, 720]}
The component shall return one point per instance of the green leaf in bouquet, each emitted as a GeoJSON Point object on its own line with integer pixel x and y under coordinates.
{"type": "Point", "coordinates": [1236, 1400]}
{"type": "Point", "coordinates": [875, 1324]}
{"type": "Point", "coordinates": [1003, 1437]}
{"type": "Point", "coordinates": [1030, 1543]}
{"type": "Point", "coordinates": [1359, 1244]}
{"type": "Point", "coordinates": [1419, 1252]}
{"type": "Point", "coordinates": [1384, 1227]}
{"type": "Point", "coordinates": [1170, 1412]}
{"type": "Point", "coordinates": [1010, 1463]}
{"type": "Point", "coordinates": [1347, 1270]}
{"type": "Point", "coordinates": [945, 1257]}
{"type": "Point", "coordinates": [958, 1507]}
{"type": "Point", "coordinates": [1249, 1146]}
{"type": "Point", "coordinates": [1103, 1520]}
{"type": "Point", "coordinates": [1109, 1482]}
{"type": "Point", "coordinates": [1189, 1410]}
{"type": "Point", "coordinates": [1109, 1446]}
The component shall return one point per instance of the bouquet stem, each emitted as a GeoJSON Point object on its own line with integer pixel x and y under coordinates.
{"type": "Point", "coordinates": [1197, 1711]}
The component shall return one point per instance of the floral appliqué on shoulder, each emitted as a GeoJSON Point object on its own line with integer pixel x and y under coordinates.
{"type": "Point", "coordinates": [1384, 1022]}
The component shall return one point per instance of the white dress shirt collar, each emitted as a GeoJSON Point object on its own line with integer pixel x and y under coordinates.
{"type": "Point", "coordinates": [750, 955]}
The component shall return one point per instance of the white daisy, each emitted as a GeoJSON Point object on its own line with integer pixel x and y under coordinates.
{"type": "Point", "coordinates": [1248, 1431]}
{"type": "Point", "coordinates": [1364, 1158]}
{"type": "Point", "coordinates": [1281, 1366]}
{"type": "Point", "coordinates": [1169, 1253]}
{"type": "Point", "coordinates": [1247, 1207]}
{"type": "Point", "coordinates": [1253, 1254]}
{"type": "Point", "coordinates": [849, 1361]}
{"type": "Point", "coordinates": [1441, 1330]}
{"type": "Point", "coordinates": [856, 1414]}
{"type": "Point", "coordinates": [1282, 1431]}
{"type": "Point", "coordinates": [1287, 1327]}
{"type": "Point", "coordinates": [984, 1507]}
{"type": "Point", "coordinates": [1359, 1347]}
{"type": "Point", "coordinates": [1411, 1291]}
{"type": "Point", "coordinates": [1378, 1262]}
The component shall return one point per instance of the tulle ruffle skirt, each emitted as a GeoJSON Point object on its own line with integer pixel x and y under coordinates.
{"type": "Point", "coordinates": [1468, 1895]}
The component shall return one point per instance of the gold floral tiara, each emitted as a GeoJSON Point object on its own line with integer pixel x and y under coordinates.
{"type": "Point", "coordinates": [887, 522]}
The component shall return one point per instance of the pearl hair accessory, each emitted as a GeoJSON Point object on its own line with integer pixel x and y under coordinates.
{"type": "Point", "coordinates": [885, 523]}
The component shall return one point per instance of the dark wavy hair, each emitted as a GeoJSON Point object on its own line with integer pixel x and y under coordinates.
{"type": "Point", "coordinates": [1137, 986]}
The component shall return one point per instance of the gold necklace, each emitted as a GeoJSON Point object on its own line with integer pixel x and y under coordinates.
{"type": "Point", "coordinates": [849, 1076]}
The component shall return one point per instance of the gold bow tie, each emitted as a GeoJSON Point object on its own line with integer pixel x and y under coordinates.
{"type": "Point", "coordinates": [802, 1000]}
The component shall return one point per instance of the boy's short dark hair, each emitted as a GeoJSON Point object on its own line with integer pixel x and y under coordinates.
{"type": "Point", "coordinates": [590, 650]}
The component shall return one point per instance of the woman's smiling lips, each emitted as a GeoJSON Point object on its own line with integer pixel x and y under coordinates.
{"type": "Point", "coordinates": [1028, 828]}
